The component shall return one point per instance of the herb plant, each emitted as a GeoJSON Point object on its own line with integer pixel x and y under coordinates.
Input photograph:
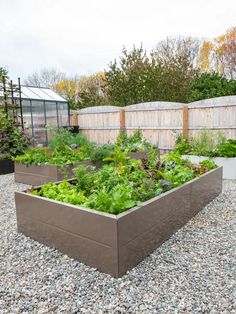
{"type": "Point", "coordinates": [207, 144]}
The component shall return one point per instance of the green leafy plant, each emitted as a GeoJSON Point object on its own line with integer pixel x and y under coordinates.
{"type": "Point", "coordinates": [13, 140]}
{"type": "Point", "coordinates": [206, 143]}
{"type": "Point", "coordinates": [124, 182]}
{"type": "Point", "coordinates": [64, 149]}
{"type": "Point", "coordinates": [39, 156]}
{"type": "Point", "coordinates": [109, 152]}
{"type": "Point", "coordinates": [183, 147]}
{"type": "Point", "coordinates": [64, 137]}
{"type": "Point", "coordinates": [226, 149]}
{"type": "Point", "coordinates": [134, 143]}
{"type": "Point", "coordinates": [209, 164]}
{"type": "Point", "coordinates": [100, 153]}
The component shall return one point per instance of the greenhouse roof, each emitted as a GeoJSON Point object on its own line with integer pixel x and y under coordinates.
{"type": "Point", "coordinates": [37, 93]}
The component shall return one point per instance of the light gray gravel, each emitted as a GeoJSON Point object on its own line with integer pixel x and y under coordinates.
{"type": "Point", "coordinates": [193, 272]}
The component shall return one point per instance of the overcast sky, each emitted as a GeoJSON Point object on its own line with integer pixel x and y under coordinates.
{"type": "Point", "coordinates": [82, 37]}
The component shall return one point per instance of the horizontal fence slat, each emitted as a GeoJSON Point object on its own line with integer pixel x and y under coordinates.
{"type": "Point", "coordinates": [135, 128]}
{"type": "Point", "coordinates": [214, 128]}
{"type": "Point", "coordinates": [101, 128]}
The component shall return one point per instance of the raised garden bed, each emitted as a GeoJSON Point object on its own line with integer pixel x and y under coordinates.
{"type": "Point", "coordinates": [6, 166]}
{"type": "Point", "coordinates": [40, 174]}
{"type": "Point", "coordinates": [114, 243]}
{"type": "Point", "coordinates": [228, 164]}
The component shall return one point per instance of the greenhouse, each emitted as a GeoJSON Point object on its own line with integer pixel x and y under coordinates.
{"type": "Point", "coordinates": [42, 110]}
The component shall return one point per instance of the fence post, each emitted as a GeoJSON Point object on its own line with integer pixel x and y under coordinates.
{"type": "Point", "coordinates": [122, 120]}
{"type": "Point", "coordinates": [185, 121]}
{"type": "Point", "coordinates": [74, 119]}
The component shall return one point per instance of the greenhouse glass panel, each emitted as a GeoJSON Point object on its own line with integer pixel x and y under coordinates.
{"type": "Point", "coordinates": [51, 114]}
{"type": "Point", "coordinates": [53, 95]}
{"type": "Point", "coordinates": [52, 117]}
{"type": "Point", "coordinates": [39, 93]}
{"type": "Point", "coordinates": [39, 122]}
{"type": "Point", "coordinates": [27, 117]}
{"type": "Point", "coordinates": [63, 117]}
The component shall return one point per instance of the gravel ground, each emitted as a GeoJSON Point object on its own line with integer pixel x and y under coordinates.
{"type": "Point", "coordinates": [193, 272]}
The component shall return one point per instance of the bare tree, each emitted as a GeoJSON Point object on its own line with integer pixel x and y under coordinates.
{"type": "Point", "coordinates": [45, 78]}
{"type": "Point", "coordinates": [179, 52]}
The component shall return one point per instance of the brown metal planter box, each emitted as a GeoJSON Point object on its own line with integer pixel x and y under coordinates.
{"type": "Point", "coordinates": [40, 174]}
{"type": "Point", "coordinates": [114, 244]}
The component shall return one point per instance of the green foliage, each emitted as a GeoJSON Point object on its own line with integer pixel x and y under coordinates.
{"type": "Point", "coordinates": [65, 148]}
{"type": "Point", "coordinates": [123, 183]}
{"type": "Point", "coordinates": [165, 75]}
{"type": "Point", "coordinates": [35, 156]}
{"type": "Point", "coordinates": [39, 156]}
{"type": "Point", "coordinates": [63, 192]}
{"type": "Point", "coordinates": [13, 141]}
{"type": "Point", "coordinates": [3, 72]}
{"type": "Point", "coordinates": [118, 157]}
{"type": "Point", "coordinates": [226, 149]}
{"type": "Point", "coordinates": [183, 147]}
{"type": "Point", "coordinates": [64, 137]}
{"type": "Point", "coordinates": [91, 97]}
{"type": "Point", "coordinates": [207, 143]}
{"type": "Point", "coordinates": [100, 153]}
{"type": "Point", "coordinates": [209, 85]}
{"type": "Point", "coordinates": [109, 152]}
{"type": "Point", "coordinates": [85, 179]}
{"type": "Point", "coordinates": [134, 143]}
{"type": "Point", "coordinates": [61, 137]}
{"type": "Point", "coordinates": [209, 164]}
{"type": "Point", "coordinates": [129, 81]}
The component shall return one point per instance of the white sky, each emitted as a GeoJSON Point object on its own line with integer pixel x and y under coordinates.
{"type": "Point", "coordinates": [82, 37]}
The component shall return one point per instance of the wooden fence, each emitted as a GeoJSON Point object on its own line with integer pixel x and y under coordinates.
{"type": "Point", "coordinates": [160, 122]}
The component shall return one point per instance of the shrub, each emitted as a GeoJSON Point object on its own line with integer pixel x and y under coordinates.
{"type": "Point", "coordinates": [210, 85]}
{"type": "Point", "coordinates": [13, 141]}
